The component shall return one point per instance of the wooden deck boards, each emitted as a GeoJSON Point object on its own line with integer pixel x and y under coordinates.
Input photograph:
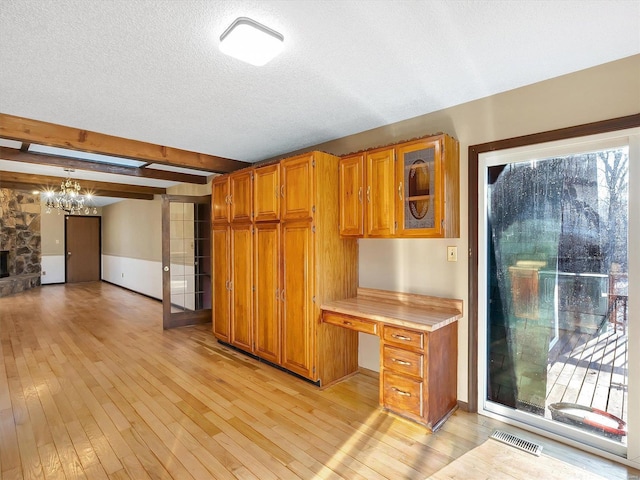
{"type": "Point", "coordinates": [590, 370]}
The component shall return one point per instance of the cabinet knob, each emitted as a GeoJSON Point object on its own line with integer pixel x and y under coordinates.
{"type": "Point", "coordinates": [400, 190]}
{"type": "Point", "coordinates": [369, 194]}
{"type": "Point", "coordinates": [282, 191]}
{"type": "Point", "coordinates": [360, 194]}
{"type": "Point", "coordinates": [282, 295]}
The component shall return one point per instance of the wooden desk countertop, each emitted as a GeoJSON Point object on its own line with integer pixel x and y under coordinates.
{"type": "Point", "coordinates": [419, 312]}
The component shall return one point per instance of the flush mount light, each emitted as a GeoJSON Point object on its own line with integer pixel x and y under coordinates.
{"type": "Point", "coordinates": [251, 42]}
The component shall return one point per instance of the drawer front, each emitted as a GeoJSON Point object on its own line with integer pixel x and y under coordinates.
{"type": "Point", "coordinates": [353, 323]}
{"type": "Point", "coordinates": [402, 395]}
{"type": "Point", "coordinates": [403, 361]}
{"type": "Point", "coordinates": [404, 337]}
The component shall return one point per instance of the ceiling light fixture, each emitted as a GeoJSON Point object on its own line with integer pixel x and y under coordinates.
{"type": "Point", "coordinates": [251, 42]}
{"type": "Point", "coordinates": [68, 199]}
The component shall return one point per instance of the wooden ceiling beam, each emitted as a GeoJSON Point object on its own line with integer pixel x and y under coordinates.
{"type": "Point", "coordinates": [16, 155]}
{"type": "Point", "coordinates": [45, 182]}
{"type": "Point", "coordinates": [96, 193]}
{"type": "Point", "coordinates": [34, 131]}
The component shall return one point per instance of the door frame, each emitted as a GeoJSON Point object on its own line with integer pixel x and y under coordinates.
{"type": "Point", "coordinates": [601, 127]}
{"type": "Point", "coordinates": [169, 319]}
{"type": "Point", "coordinates": [66, 251]}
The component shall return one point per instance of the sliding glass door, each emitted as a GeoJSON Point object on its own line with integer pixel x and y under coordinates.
{"type": "Point", "coordinates": [554, 288]}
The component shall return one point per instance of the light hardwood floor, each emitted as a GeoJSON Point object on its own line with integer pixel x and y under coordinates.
{"type": "Point", "coordinates": [92, 387]}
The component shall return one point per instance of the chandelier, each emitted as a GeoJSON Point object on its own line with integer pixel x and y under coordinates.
{"type": "Point", "coordinates": [68, 199]}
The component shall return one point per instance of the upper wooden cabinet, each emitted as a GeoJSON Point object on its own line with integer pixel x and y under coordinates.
{"type": "Point", "coordinates": [296, 190]}
{"type": "Point", "coordinates": [352, 195]}
{"type": "Point", "coordinates": [241, 195]}
{"type": "Point", "coordinates": [427, 175]}
{"type": "Point", "coordinates": [220, 199]}
{"type": "Point", "coordinates": [409, 190]}
{"type": "Point", "coordinates": [266, 193]}
{"type": "Point", "coordinates": [380, 193]}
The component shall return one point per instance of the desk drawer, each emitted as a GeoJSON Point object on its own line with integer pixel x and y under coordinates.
{"type": "Point", "coordinates": [404, 337]}
{"type": "Point", "coordinates": [353, 323]}
{"type": "Point", "coordinates": [403, 361]}
{"type": "Point", "coordinates": [402, 395]}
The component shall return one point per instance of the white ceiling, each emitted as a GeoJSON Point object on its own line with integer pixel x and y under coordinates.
{"type": "Point", "coordinates": [151, 70]}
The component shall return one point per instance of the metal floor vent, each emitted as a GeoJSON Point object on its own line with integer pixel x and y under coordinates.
{"type": "Point", "coordinates": [524, 445]}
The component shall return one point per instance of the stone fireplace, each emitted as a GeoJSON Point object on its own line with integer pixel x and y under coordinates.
{"type": "Point", "coordinates": [20, 260]}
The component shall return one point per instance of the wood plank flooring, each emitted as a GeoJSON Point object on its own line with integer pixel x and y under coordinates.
{"type": "Point", "coordinates": [92, 387]}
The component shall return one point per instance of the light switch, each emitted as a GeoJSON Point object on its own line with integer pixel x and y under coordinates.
{"type": "Point", "coordinates": [452, 254]}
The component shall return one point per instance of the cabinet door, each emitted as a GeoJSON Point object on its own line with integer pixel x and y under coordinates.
{"type": "Point", "coordinates": [221, 279]}
{"type": "Point", "coordinates": [297, 294]}
{"type": "Point", "coordinates": [380, 193]}
{"type": "Point", "coordinates": [241, 287]}
{"type": "Point", "coordinates": [220, 199]}
{"type": "Point", "coordinates": [266, 266]}
{"type": "Point", "coordinates": [297, 188]}
{"type": "Point", "coordinates": [351, 196]}
{"type": "Point", "coordinates": [420, 189]}
{"type": "Point", "coordinates": [241, 196]}
{"type": "Point", "coordinates": [266, 193]}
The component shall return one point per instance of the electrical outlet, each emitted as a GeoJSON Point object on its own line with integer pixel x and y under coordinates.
{"type": "Point", "coordinates": [452, 254]}
{"type": "Point", "coordinates": [122, 274]}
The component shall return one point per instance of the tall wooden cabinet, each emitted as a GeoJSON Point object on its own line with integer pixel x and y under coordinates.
{"type": "Point", "coordinates": [298, 260]}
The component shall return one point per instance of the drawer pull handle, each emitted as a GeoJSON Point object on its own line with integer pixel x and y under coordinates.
{"type": "Point", "coordinates": [344, 322]}
{"type": "Point", "coordinates": [400, 362]}
{"type": "Point", "coordinates": [401, 392]}
{"type": "Point", "coordinates": [401, 337]}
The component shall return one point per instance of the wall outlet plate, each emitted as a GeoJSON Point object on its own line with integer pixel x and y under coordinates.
{"type": "Point", "coordinates": [452, 254]}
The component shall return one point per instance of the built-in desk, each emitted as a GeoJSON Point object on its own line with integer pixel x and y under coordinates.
{"type": "Point", "coordinates": [418, 348]}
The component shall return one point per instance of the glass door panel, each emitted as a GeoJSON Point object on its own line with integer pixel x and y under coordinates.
{"type": "Point", "coordinates": [186, 260]}
{"type": "Point", "coordinates": [557, 292]}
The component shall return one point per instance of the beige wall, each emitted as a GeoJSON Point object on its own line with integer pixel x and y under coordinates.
{"type": "Point", "coordinates": [133, 229]}
{"type": "Point", "coordinates": [190, 189]}
{"type": "Point", "coordinates": [419, 265]}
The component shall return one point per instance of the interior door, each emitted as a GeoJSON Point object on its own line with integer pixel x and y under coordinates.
{"type": "Point", "coordinates": [186, 259]}
{"type": "Point", "coordinates": [82, 241]}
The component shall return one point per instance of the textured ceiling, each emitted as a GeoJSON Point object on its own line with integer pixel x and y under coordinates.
{"type": "Point", "coordinates": [151, 70]}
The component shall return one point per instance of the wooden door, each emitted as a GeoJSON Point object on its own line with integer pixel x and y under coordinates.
{"type": "Point", "coordinates": [380, 193]}
{"type": "Point", "coordinates": [82, 241]}
{"type": "Point", "coordinates": [266, 267]}
{"type": "Point", "coordinates": [241, 196]}
{"type": "Point", "coordinates": [297, 293]}
{"type": "Point", "coordinates": [220, 199]}
{"type": "Point", "coordinates": [266, 193]}
{"type": "Point", "coordinates": [241, 287]}
{"type": "Point", "coordinates": [186, 259]}
{"type": "Point", "coordinates": [351, 195]}
{"type": "Point", "coordinates": [297, 188]}
{"type": "Point", "coordinates": [221, 279]}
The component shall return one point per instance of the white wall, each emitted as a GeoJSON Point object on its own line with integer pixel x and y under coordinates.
{"type": "Point", "coordinates": [143, 276]}
{"type": "Point", "coordinates": [53, 269]}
